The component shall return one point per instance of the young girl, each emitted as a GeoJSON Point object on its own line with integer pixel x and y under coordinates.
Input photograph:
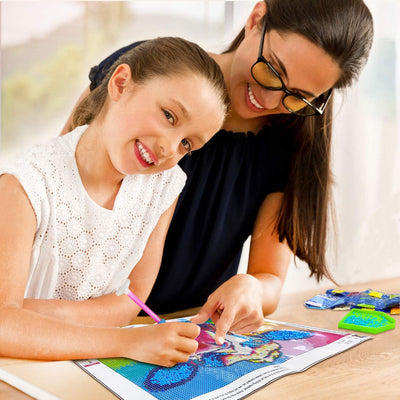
{"type": "Point", "coordinates": [82, 213]}
{"type": "Point", "coordinates": [267, 173]}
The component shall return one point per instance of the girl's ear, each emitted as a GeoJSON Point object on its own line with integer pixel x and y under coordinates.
{"type": "Point", "coordinates": [259, 10]}
{"type": "Point", "coordinates": [119, 81]}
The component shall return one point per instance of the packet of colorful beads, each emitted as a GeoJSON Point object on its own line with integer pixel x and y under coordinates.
{"type": "Point", "coordinates": [337, 299]}
{"type": "Point", "coordinates": [324, 301]}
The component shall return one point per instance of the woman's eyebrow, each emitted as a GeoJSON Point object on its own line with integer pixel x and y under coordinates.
{"type": "Point", "coordinates": [282, 67]}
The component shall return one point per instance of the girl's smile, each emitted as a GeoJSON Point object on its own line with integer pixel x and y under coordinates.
{"type": "Point", "coordinates": [149, 126]}
{"type": "Point", "coordinates": [144, 155]}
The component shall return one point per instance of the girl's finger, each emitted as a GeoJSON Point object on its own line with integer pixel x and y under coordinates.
{"type": "Point", "coordinates": [187, 329]}
{"type": "Point", "coordinates": [187, 346]}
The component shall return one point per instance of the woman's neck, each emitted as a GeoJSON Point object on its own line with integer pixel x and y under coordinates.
{"type": "Point", "coordinates": [235, 123]}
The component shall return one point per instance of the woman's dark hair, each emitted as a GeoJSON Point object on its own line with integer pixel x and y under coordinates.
{"type": "Point", "coordinates": [344, 29]}
{"type": "Point", "coordinates": [164, 56]}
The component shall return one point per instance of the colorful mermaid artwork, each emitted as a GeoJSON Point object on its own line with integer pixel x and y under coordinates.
{"type": "Point", "coordinates": [244, 363]}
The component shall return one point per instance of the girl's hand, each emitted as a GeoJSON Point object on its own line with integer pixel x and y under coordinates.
{"type": "Point", "coordinates": [236, 305]}
{"type": "Point", "coordinates": [164, 344]}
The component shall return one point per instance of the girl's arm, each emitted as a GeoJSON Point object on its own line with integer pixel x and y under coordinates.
{"type": "Point", "coordinates": [113, 310]}
{"type": "Point", "coordinates": [240, 303]}
{"type": "Point", "coordinates": [27, 334]}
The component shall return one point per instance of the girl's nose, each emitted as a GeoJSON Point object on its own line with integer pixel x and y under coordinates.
{"type": "Point", "coordinates": [168, 148]}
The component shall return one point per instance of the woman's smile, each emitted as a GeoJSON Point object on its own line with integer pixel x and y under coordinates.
{"type": "Point", "coordinates": [253, 101]}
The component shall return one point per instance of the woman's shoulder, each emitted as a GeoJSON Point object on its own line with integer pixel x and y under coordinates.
{"type": "Point", "coordinates": [247, 142]}
{"type": "Point", "coordinates": [240, 158]}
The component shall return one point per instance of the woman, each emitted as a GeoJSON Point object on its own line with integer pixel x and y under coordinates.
{"type": "Point", "coordinates": [267, 172]}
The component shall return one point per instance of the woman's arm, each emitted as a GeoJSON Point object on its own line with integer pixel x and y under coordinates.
{"type": "Point", "coordinates": [240, 303]}
{"type": "Point", "coordinates": [113, 310]}
{"type": "Point", "coordinates": [27, 334]}
{"type": "Point", "coordinates": [269, 258]}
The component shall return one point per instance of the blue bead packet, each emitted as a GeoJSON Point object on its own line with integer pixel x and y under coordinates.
{"type": "Point", "coordinates": [324, 301]}
{"type": "Point", "coordinates": [336, 299]}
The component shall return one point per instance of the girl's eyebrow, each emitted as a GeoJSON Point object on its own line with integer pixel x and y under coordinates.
{"type": "Point", "coordinates": [202, 140]}
{"type": "Point", "coordinates": [282, 67]}
{"type": "Point", "coordinates": [183, 109]}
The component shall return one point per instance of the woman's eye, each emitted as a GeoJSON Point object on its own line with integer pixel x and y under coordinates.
{"type": "Point", "coordinates": [169, 116]}
{"type": "Point", "coordinates": [186, 144]}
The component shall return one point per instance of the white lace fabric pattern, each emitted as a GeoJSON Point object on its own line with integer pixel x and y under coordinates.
{"type": "Point", "coordinates": [82, 250]}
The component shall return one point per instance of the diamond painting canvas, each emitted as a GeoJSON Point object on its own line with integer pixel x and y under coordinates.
{"type": "Point", "coordinates": [243, 364]}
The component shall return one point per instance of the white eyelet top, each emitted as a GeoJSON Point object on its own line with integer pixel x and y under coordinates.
{"type": "Point", "coordinates": [82, 250]}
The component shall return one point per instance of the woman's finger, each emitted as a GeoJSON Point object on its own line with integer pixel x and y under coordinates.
{"type": "Point", "coordinates": [223, 325]}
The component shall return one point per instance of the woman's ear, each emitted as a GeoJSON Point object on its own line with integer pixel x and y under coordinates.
{"type": "Point", "coordinates": [259, 10]}
{"type": "Point", "coordinates": [119, 81]}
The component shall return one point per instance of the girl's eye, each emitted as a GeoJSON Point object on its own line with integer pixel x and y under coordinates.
{"type": "Point", "coordinates": [187, 145]}
{"type": "Point", "coordinates": [169, 116]}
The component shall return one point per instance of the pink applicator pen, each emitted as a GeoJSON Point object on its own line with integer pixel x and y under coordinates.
{"type": "Point", "coordinates": [124, 289]}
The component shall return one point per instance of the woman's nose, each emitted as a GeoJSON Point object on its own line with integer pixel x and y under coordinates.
{"type": "Point", "coordinates": [272, 99]}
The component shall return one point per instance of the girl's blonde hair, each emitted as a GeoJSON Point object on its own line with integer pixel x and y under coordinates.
{"type": "Point", "coordinates": [153, 58]}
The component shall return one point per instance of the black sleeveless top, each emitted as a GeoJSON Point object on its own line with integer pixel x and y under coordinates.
{"type": "Point", "coordinates": [227, 181]}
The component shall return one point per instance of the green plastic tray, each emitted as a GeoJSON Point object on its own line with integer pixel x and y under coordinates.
{"type": "Point", "coordinates": [367, 321]}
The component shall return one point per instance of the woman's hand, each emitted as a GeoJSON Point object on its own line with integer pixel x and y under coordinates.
{"type": "Point", "coordinates": [236, 305]}
{"type": "Point", "coordinates": [241, 302]}
{"type": "Point", "coordinates": [164, 344]}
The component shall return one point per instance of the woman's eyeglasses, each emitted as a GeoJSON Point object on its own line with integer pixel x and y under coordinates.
{"type": "Point", "coordinates": [268, 77]}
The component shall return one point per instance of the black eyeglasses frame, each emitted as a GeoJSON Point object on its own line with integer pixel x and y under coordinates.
{"type": "Point", "coordinates": [317, 110]}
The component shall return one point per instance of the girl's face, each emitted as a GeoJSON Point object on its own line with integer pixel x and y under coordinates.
{"type": "Point", "coordinates": [304, 68]}
{"type": "Point", "coordinates": [151, 126]}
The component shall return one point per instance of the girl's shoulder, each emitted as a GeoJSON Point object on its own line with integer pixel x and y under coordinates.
{"type": "Point", "coordinates": [168, 183]}
{"type": "Point", "coordinates": [44, 169]}
{"type": "Point", "coordinates": [174, 175]}
{"type": "Point", "coordinates": [49, 152]}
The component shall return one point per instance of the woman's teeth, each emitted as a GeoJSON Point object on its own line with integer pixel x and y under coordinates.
{"type": "Point", "coordinates": [144, 154]}
{"type": "Point", "coordinates": [252, 99]}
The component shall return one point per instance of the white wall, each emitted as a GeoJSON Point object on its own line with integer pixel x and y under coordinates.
{"type": "Point", "coordinates": [366, 131]}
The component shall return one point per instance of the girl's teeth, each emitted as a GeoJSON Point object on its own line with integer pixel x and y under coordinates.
{"type": "Point", "coordinates": [252, 99]}
{"type": "Point", "coordinates": [144, 154]}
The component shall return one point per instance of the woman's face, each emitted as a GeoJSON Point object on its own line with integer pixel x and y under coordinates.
{"type": "Point", "coordinates": [304, 68]}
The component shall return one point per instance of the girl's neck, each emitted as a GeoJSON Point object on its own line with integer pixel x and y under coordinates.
{"type": "Point", "coordinates": [98, 176]}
